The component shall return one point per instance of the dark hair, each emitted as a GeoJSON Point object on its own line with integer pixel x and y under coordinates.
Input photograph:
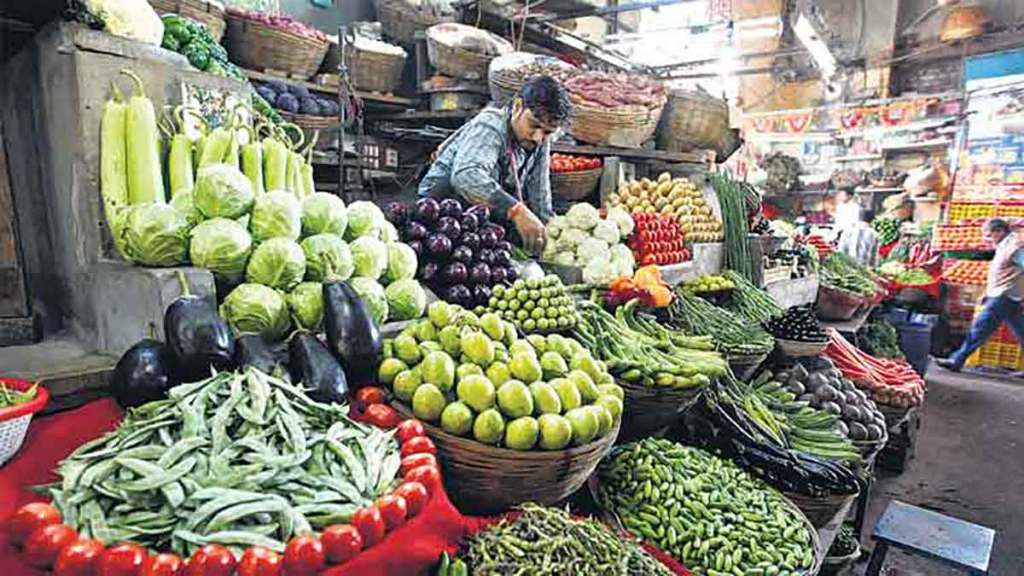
{"type": "Point", "coordinates": [868, 215]}
{"type": "Point", "coordinates": [545, 97]}
{"type": "Point", "coordinates": [997, 224]}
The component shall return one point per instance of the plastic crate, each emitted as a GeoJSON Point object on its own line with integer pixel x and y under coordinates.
{"type": "Point", "coordinates": [965, 272]}
{"type": "Point", "coordinates": [1001, 351]}
{"type": "Point", "coordinates": [966, 210]}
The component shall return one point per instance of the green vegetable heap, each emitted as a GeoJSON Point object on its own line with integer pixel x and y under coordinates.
{"type": "Point", "coordinates": [10, 397]}
{"type": "Point", "coordinates": [888, 229]}
{"type": "Point", "coordinates": [750, 301]}
{"type": "Point", "coordinates": [535, 305]}
{"type": "Point", "coordinates": [239, 459]}
{"type": "Point", "coordinates": [705, 511]}
{"type": "Point", "coordinates": [733, 334]}
{"type": "Point", "coordinates": [844, 273]}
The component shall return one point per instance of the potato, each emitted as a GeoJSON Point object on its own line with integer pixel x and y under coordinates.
{"type": "Point", "coordinates": [664, 177]}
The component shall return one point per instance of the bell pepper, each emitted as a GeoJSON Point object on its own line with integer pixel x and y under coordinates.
{"type": "Point", "coordinates": [177, 27]}
{"type": "Point", "coordinates": [198, 55]}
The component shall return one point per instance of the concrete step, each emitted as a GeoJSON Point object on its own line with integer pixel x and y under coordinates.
{"type": "Point", "coordinates": [72, 374]}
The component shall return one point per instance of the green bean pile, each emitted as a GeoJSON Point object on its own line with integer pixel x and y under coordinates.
{"type": "Point", "coordinates": [239, 459]}
{"type": "Point", "coordinates": [733, 334]}
{"type": "Point", "coordinates": [732, 196]}
{"type": "Point", "coordinates": [10, 397]}
{"type": "Point", "coordinates": [705, 511]}
{"type": "Point", "coordinates": [750, 301]}
{"type": "Point", "coordinates": [547, 541]}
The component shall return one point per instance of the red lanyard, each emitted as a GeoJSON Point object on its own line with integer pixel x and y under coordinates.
{"type": "Point", "coordinates": [515, 172]}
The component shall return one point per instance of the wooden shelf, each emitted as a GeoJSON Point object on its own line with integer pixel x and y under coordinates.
{"type": "Point", "coordinates": [857, 158]}
{"type": "Point", "coordinates": [870, 190]}
{"type": "Point", "coordinates": [939, 143]}
{"type": "Point", "coordinates": [428, 115]}
{"type": "Point", "coordinates": [628, 153]}
{"type": "Point", "coordinates": [368, 96]}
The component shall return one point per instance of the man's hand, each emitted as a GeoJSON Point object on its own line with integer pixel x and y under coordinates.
{"type": "Point", "coordinates": [530, 228]}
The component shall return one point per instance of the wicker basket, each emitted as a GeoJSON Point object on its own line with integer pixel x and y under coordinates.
{"type": "Point", "coordinates": [693, 119]}
{"type": "Point", "coordinates": [14, 420]}
{"type": "Point", "coordinates": [626, 126]}
{"type": "Point", "coordinates": [206, 13]}
{"type": "Point", "coordinates": [820, 511]}
{"type": "Point", "coordinates": [371, 71]}
{"type": "Point", "coordinates": [744, 366]}
{"type": "Point", "coordinates": [310, 122]}
{"type": "Point", "coordinates": [798, 349]}
{"type": "Point", "coordinates": [834, 304]}
{"type": "Point", "coordinates": [458, 62]}
{"type": "Point", "coordinates": [401, 22]}
{"type": "Point", "coordinates": [648, 411]}
{"type": "Point", "coordinates": [869, 448]}
{"type": "Point", "coordinates": [483, 479]}
{"type": "Point", "coordinates": [260, 47]}
{"type": "Point", "coordinates": [575, 185]}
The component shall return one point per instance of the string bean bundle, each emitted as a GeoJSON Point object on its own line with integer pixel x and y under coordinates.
{"type": "Point", "coordinates": [733, 334]}
{"type": "Point", "coordinates": [750, 301]}
{"type": "Point", "coordinates": [732, 196]}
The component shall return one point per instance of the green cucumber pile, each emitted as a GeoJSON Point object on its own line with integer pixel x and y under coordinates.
{"type": "Point", "coordinates": [733, 334]}
{"type": "Point", "coordinates": [705, 511]}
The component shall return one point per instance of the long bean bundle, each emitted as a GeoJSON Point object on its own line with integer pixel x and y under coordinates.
{"type": "Point", "coordinates": [733, 334]}
{"type": "Point", "coordinates": [750, 301]}
{"type": "Point", "coordinates": [732, 196]}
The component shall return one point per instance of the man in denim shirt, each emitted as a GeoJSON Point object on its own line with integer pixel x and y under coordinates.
{"type": "Point", "coordinates": [501, 158]}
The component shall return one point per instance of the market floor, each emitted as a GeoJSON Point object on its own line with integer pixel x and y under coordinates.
{"type": "Point", "coordinates": [969, 463]}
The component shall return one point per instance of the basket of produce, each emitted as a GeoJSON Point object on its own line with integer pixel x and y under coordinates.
{"type": "Point", "coordinates": [744, 365]}
{"type": "Point", "coordinates": [507, 74]}
{"type": "Point", "coordinates": [693, 119]}
{"type": "Point", "coordinates": [691, 477]}
{"type": "Point", "coordinates": [299, 105]}
{"type": "Point", "coordinates": [574, 177]}
{"type": "Point", "coordinates": [742, 340]}
{"type": "Point", "coordinates": [891, 383]}
{"type": "Point", "coordinates": [711, 287]}
{"type": "Point", "coordinates": [588, 247]}
{"type": "Point", "coordinates": [512, 422]}
{"type": "Point", "coordinates": [374, 65]}
{"type": "Point", "coordinates": [820, 510]}
{"type": "Point", "coordinates": [797, 332]}
{"type": "Point", "coordinates": [309, 121]}
{"type": "Point", "coordinates": [696, 218]}
{"type": "Point", "coordinates": [462, 51]}
{"type": "Point", "coordinates": [845, 550]}
{"type": "Point", "coordinates": [19, 400]}
{"type": "Point", "coordinates": [614, 109]}
{"type": "Point", "coordinates": [262, 41]}
{"type": "Point", "coordinates": [837, 304]}
{"type": "Point", "coordinates": [210, 14]}
{"type": "Point", "coordinates": [650, 410]}
{"type": "Point", "coordinates": [401, 20]}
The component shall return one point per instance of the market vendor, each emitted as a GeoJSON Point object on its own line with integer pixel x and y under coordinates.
{"type": "Point", "coordinates": [501, 157]}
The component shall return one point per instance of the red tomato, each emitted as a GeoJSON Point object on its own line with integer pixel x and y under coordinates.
{"type": "Point", "coordinates": [415, 461]}
{"type": "Point", "coordinates": [29, 517]}
{"type": "Point", "coordinates": [393, 509]}
{"type": "Point", "coordinates": [259, 561]}
{"type": "Point", "coordinates": [429, 476]}
{"type": "Point", "coordinates": [45, 542]}
{"type": "Point", "coordinates": [410, 428]}
{"type": "Point", "coordinates": [370, 395]}
{"type": "Point", "coordinates": [304, 556]}
{"type": "Point", "coordinates": [211, 560]}
{"type": "Point", "coordinates": [415, 495]}
{"type": "Point", "coordinates": [80, 558]}
{"type": "Point", "coordinates": [648, 259]}
{"type": "Point", "coordinates": [342, 542]}
{"type": "Point", "coordinates": [381, 416]}
{"type": "Point", "coordinates": [370, 524]}
{"type": "Point", "coordinates": [164, 564]}
{"type": "Point", "coordinates": [417, 445]}
{"type": "Point", "coordinates": [122, 560]}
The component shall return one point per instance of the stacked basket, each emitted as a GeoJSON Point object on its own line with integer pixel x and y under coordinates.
{"type": "Point", "coordinates": [451, 59]}
{"type": "Point", "coordinates": [693, 119]}
{"type": "Point", "coordinates": [625, 126]}
{"type": "Point", "coordinates": [507, 73]}
{"type": "Point", "coordinates": [575, 185]}
{"type": "Point", "coordinates": [257, 46]}
{"type": "Point", "coordinates": [401, 22]}
{"type": "Point", "coordinates": [206, 13]}
{"type": "Point", "coordinates": [371, 70]}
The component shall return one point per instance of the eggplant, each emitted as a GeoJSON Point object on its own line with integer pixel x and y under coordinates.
{"type": "Point", "coordinates": [143, 374]}
{"type": "Point", "coordinates": [312, 365]}
{"type": "Point", "coordinates": [252, 350]}
{"type": "Point", "coordinates": [199, 338]}
{"type": "Point", "coordinates": [352, 335]}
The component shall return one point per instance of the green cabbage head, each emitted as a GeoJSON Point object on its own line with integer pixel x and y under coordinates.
{"type": "Point", "coordinates": [370, 257]}
{"type": "Point", "coordinates": [256, 308]}
{"type": "Point", "coordinates": [275, 214]}
{"type": "Point", "coordinates": [364, 219]}
{"type": "Point", "coordinates": [221, 246]}
{"type": "Point", "coordinates": [406, 299]}
{"type": "Point", "coordinates": [327, 255]}
{"type": "Point", "coordinates": [402, 262]}
{"type": "Point", "coordinates": [222, 191]}
{"type": "Point", "coordinates": [278, 263]}
{"type": "Point", "coordinates": [155, 234]}
{"type": "Point", "coordinates": [185, 203]}
{"type": "Point", "coordinates": [323, 213]}
{"type": "Point", "coordinates": [306, 302]}
{"type": "Point", "coordinates": [372, 294]}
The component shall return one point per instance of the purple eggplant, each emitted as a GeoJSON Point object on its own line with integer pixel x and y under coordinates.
{"type": "Point", "coordinates": [462, 254]}
{"type": "Point", "coordinates": [427, 210]}
{"type": "Point", "coordinates": [471, 239]}
{"type": "Point", "coordinates": [415, 231]}
{"type": "Point", "coordinates": [416, 246]}
{"type": "Point", "coordinates": [498, 230]}
{"type": "Point", "coordinates": [428, 271]}
{"type": "Point", "coordinates": [469, 223]}
{"type": "Point", "coordinates": [438, 246]}
{"type": "Point", "coordinates": [460, 294]}
{"type": "Point", "coordinates": [455, 273]}
{"type": "Point", "coordinates": [485, 255]}
{"type": "Point", "coordinates": [502, 258]}
{"type": "Point", "coordinates": [451, 207]}
{"type": "Point", "coordinates": [482, 213]}
{"type": "Point", "coordinates": [448, 226]}
{"type": "Point", "coordinates": [480, 273]}
{"type": "Point", "coordinates": [499, 275]}
{"type": "Point", "coordinates": [396, 213]}
{"type": "Point", "coordinates": [488, 239]}
{"type": "Point", "coordinates": [481, 294]}
{"type": "Point", "coordinates": [505, 245]}
{"type": "Point", "coordinates": [511, 274]}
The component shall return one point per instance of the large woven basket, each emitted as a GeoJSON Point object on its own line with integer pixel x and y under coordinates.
{"type": "Point", "coordinates": [693, 119]}
{"type": "Point", "coordinates": [371, 71]}
{"type": "Point", "coordinates": [820, 511]}
{"type": "Point", "coordinates": [400, 21]}
{"type": "Point", "coordinates": [649, 411]}
{"type": "Point", "coordinates": [575, 185]}
{"type": "Point", "coordinates": [798, 349]}
{"type": "Point", "coordinates": [744, 366]}
{"type": "Point", "coordinates": [206, 13]}
{"type": "Point", "coordinates": [626, 126]}
{"type": "Point", "coordinates": [458, 62]}
{"type": "Point", "coordinates": [309, 121]}
{"type": "Point", "coordinates": [483, 479]}
{"type": "Point", "coordinates": [834, 304]}
{"type": "Point", "coordinates": [257, 46]}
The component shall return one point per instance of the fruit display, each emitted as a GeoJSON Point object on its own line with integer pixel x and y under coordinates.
{"type": "Point", "coordinates": [614, 90]}
{"type": "Point", "coordinates": [888, 229]}
{"type": "Point", "coordinates": [967, 272]}
{"type": "Point", "coordinates": [677, 197]}
{"type": "Point", "coordinates": [819, 244]}
{"type": "Point", "coordinates": [708, 283]}
{"type": "Point", "coordinates": [799, 323]}
{"type": "Point", "coordinates": [462, 254]}
{"type": "Point", "coordinates": [562, 163]}
{"type": "Point", "coordinates": [534, 306]}
{"type": "Point", "coordinates": [967, 235]}
{"type": "Point", "coordinates": [959, 211]}
{"type": "Point", "coordinates": [473, 376]}
{"type": "Point", "coordinates": [705, 511]}
{"type": "Point", "coordinates": [586, 239]}
{"type": "Point", "coordinates": [891, 382]}
{"type": "Point", "coordinates": [732, 334]}
{"type": "Point", "coordinates": [658, 239]}
{"type": "Point", "coordinates": [296, 99]}
{"type": "Point", "coordinates": [751, 302]}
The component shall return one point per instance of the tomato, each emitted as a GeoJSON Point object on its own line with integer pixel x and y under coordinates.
{"type": "Point", "coordinates": [393, 509]}
{"type": "Point", "coordinates": [259, 561]}
{"type": "Point", "coordinates": [370, 524]}
{"type": "Point", "coordinates": [29, 517]}
{"type": "Point", "coordinates": [381, 416]}
{"type": "Point", "coordinates": [45, 542]}
{"type": "Point", "coordinates": [648, 259]}
{"type": "Point", "coordinates": [122, 560]}
{"type": "Point", "coordinates": [417, 445]}
{"type": "Point", "coordinates": [415, 461]}
{"type": "Point", "coordinates": [409, 429]}
{"type": "Point", "coordinates": [164, 564]}
{"type": "Point", "coordinates": [370, 395]}
{"type": "Point", "coordinates": [415, 495]}
{"type": "Point", "coordinates": [342, 542]}
{"type": "Point", "coordinates": [211, 560]}
{"type": "Point", "coordinates": [304, 556]}
{"type": "Point", "coordinates": [80, 558]}
{"type": "Point", "coordinates": [429, 476]}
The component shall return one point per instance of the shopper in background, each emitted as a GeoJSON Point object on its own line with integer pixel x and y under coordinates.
{"type": "Point", "coordinates": [1003, 292]}
{"type": "Point", "coordinates": [501, 158]}
{"type": "Point", "coordinates": [860, 241]}
{"type": "Point", "coordinates": [847, 211]}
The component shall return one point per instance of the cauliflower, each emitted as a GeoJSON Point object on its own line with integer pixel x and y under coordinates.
{"type": "Point", "coordinates": [622, 219]}
{"type": "Point", "coordinates": [599, 272]}
{"type": "Point", "coordinates": [593, 249]}
{"type": "Point", "coordinates": [583, 216]}
{"type": "Point", "coordinates": [622, 258]}
{"type": "Point", "coordinates": [129, 19]}
{"type": "Point", "coordinates": [606, 230]}
{"type": "Point", "coordinates": [565, 259]}
{"type": "Point", "coordinates": [569, 239]}
{"type": "Point", "coordinates": [555, 226]}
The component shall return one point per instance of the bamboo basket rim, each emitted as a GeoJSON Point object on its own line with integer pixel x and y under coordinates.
{"type": "Point", "coordinates": [308, 120]}
{"type": "Point", "coordinates": [799, 347]}
{"type": "Point", "coordinates": [624, 110]}
{"type": "Point", "coordinates": [275, 30]}
{"type": "Point", "coordinates": [198, 5]}
{"type": "Point", "coordinates": [577, 174]}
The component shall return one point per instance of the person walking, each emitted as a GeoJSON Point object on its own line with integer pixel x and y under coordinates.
{"type": "Point", "coordinates": [1003, 292]}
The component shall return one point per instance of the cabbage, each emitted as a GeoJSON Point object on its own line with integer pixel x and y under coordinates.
{"type": "Point", "coordinates": [323, 213]}
{"type": "Point", "coordinates": [278, 263]}
{"type": "Point", "coordinates": [222, 191]}
{"type": "Point", "coordinates": [184, 202]}
{"type": "Point", "coordinates": [306, 302]}
{"type": "Point", "coordinates": [583, 216]}
{"type": "Point", "coordinates": [364, 219]}
{"type": "Point", "coordinates": [275, 214]}
{"type": "Point", "coordinates": [327, 255]}
{"type": "Point", "coordinates": [569, 239]}
{"type": "Point", "coordinates": [622, 219]}
{"type": "Point", "coordinates": [406, 299]}
{"type": "Point", "coordinates": [388, 234]}
{"type": "Point", "coordinates": [221, 246]}
{"type": "Point", "coordinates": [402, 262]}
{"type": "Point", "coordinates": [155, 234]}
{"type": "Point", "coordinates": [593, 248]}
{"type": "Point", "coordinates": [258, 309]}
{"type": "Point", "coordinates": [372, 294]}
{"type": "Point", "coordinates": [606, 230]}
{"type": "Point", "coordinates": [370, 257]}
